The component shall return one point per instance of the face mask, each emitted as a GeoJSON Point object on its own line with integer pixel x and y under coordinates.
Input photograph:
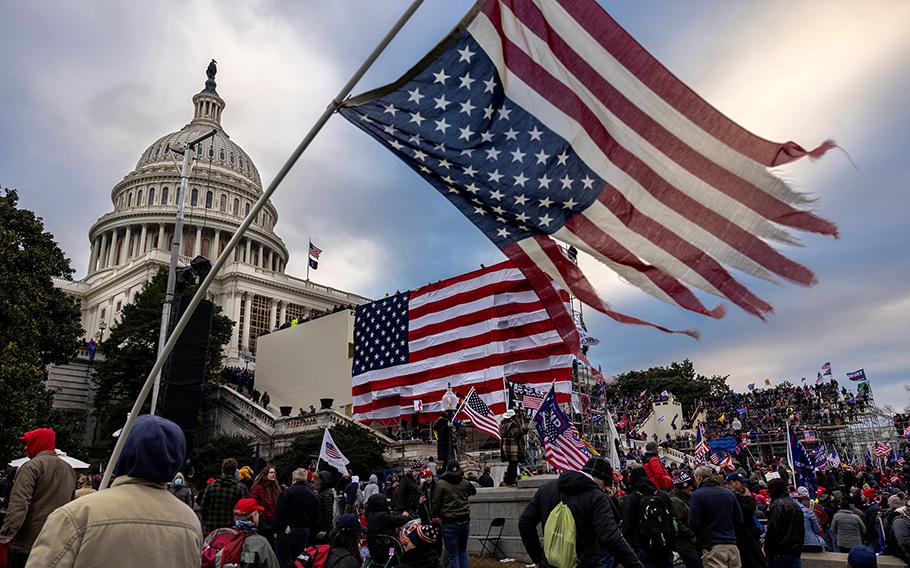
{"type": "Point", "coordinates": [178, 482]}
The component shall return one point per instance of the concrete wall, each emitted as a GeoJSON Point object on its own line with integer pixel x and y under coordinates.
{"type": "Point", "coordinates": [301, 364]}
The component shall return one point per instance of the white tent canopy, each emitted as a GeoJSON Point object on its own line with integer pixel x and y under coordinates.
{"type": "Point", "coordinates": [74, 463]}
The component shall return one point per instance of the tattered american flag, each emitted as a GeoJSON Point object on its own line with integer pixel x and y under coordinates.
{"type": "Point", "coordinates": [470, 331]}
{"type": "Point", "coordinates": [540, 119]}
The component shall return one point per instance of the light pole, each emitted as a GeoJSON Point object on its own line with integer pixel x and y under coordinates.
{"type": "Point", "coordinates": [102, 325]}
{"type": "Point", "coordinates": [188, 151]}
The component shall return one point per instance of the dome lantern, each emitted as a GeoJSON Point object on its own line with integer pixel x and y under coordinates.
{"type": "Point", "coordinates": [208, 105]}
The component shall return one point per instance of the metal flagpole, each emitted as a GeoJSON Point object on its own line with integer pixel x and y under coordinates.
{"type": "Point", "coordinates": [309, 245]}
{"type": "Point", "coordinates": [175, 252]}
{"type": "Point", "coordinates": [254, 212]}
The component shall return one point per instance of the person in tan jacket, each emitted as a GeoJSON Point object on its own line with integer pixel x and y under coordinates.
{"type": "Point", "coordinates": [136, 522]}
{"type": "Point", "coordinates": [42, 484]}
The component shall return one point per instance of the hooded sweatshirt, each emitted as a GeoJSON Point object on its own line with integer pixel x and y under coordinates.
{"type": "Point", "coordinates": [372, 488]}
{"type": "Point", "coordinates": [136, 514]}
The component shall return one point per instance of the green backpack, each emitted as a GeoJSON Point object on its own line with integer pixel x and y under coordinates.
{"type": "Point", "coordinates": [559, 538]}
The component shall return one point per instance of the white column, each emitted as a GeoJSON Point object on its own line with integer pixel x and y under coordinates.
{"type": "Point", "coordinates": [247, 308]}
{"type": "Point", "coordinates": [269, 265]}
{"type": "Point", "coordinates": [126, 245]}
{"type": "Point", "coordinates": [197, 246]}
{"type": "Point", "coordinates": [235, 315]}
{"type": "Point", "coordinates": [161, 243]}
{"type": "Point", "coordinates": [143, 236]}
{"type": "Point", "coordinates": [249, 249]}
{"type": "Point", "coordinates": [102, 254]}
{"type": "Point", "coordinates": [283, 313]}
{"type": "Point", "coordinates": [273, 313]}
{"type": "Point", "coordinates": [216, 242]}
{"type": "Point", "coordinates": [113, 256]}
{"type": "Point", "coordinates": [93, 256]}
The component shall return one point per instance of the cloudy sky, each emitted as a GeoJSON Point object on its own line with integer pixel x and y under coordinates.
{"type": "Point", "coordinates": [87, 87]}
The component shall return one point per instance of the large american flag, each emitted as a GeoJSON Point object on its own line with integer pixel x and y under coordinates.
{"type": "Point", "coordinates": [561, 443]}
{"type": "Point", "coordinates": [470, 331]}
{"type": "Point", "coordinates": [540, 119]}
{"type": "Point", "coordinates": [479, 414]}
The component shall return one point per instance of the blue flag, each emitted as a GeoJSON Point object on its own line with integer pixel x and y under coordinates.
{"type": "Point", "coordinates": [869, 463]}
{"type": "Point", "coordinates": [803, 466]}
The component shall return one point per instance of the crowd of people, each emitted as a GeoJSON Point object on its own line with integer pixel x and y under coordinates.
{"type": "Point", "coordinates": [55, 519]}
{"type": "Point", "coordinates": [647, 514]}
{"type": "Point", "coordinates": [657, 517]}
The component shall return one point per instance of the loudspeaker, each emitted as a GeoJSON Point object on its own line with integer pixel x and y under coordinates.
{"type": "Point", "coordinates": [180, 395]}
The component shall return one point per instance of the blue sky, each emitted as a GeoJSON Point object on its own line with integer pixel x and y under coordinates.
{"type": "Point", "coordinates": [85, 91]}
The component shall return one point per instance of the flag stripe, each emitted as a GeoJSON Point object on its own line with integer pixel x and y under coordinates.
{"type": "Point", "coordinates": [503, 271]}
{"type": "Point", "coordinates": [724, 238]}
{"type": "Point", "coordinates": [466, 296]}
{"type": "Point", "coordinates": [480, 304]}
{"type": "Point", "coordinates": [662, 83]}
{"type": "Point", "coordinates": [706, 181]}
{"type": "Point", "coordinates": [502, 312]}
{"type": "Point", "coordinates": [585, 235]}
{"type": "Point", "coordinates": [510, 338]}
{"type": "Point", "coordinates": [431, 370]}
{"type": "Point", "coordinates": [453, 334]}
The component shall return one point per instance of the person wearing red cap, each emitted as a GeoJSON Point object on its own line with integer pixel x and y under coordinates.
{"type": "Point", "coordinates": [43, 483]}
{"type": "Point", "coordinates": [255, 552]}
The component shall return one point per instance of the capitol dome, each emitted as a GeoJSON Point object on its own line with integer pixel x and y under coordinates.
{"type": "Point", "coordinates": [224, 185]}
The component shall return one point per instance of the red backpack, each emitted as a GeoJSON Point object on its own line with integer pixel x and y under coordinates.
{"type": "Point", "coordinates": [222, 547]}
{"type": "Point", "coordinates": [313, 557]}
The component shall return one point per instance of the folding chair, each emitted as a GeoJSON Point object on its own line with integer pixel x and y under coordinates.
{"type": "Point", "coordinates": [490, 543]}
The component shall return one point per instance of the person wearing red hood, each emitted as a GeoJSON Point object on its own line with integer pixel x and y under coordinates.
{"type": "Point", "coordinates": [43, 483]}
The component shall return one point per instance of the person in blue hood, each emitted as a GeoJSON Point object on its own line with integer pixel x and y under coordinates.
{"type": "Point", "coordinates": [136, 522]}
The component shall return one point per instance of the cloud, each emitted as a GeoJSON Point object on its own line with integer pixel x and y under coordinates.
{"type": "Point", "coordinates": [86, 91]}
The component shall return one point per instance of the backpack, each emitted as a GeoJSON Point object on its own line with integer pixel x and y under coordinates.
{"type": "Point", "coordinates": [656, 524]}
{"type": "Point", "coordinates": [892, 547]}
{"type": "Point", "coordinates": [222, 548]}
{"type": "Point", "coordinates": [559, 537]}
{"type": "Point", "coordinates": [313, 557]}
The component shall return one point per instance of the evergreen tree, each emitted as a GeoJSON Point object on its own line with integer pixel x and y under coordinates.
{"type": "Point", "coordinates": [131, 349]}
{"type": "Point", "coordinates": [355, 442]}
{"type": "Point", "coordinates": [39, 325]}
{"type": "Point", "coordinates": [679, 379]}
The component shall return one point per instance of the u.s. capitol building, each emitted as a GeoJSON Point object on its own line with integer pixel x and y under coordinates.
{"type": "Point", "coordinates": [132, 242]}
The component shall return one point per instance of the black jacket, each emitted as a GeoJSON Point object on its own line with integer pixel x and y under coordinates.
{"type": "Point", "coordinates": [326, 500]}
{"type": "Point", "coordinates": [485, 480]}
{"type": "Point", "coordinates": [595, 525]}
{"type": "Point", "coordinates": [631, 506]}
{"type": "Point", "coordinates": [410, 493]}
{"type": "Point", "coordinates": [297, 508]}
{"type": "Point", "coordinates": [748, 539]}
{"type": "Point", "coordinates": [786, 531]}
{"type": "Point", "coordinates": [381, 522]}
{"type": "Point", "coordinates": [714, 514]}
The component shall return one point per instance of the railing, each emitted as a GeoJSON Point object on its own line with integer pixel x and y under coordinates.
{"type": "Point", "coordinates": [246, 408]}
{"type": "Point", "coordinates": [69, 285]}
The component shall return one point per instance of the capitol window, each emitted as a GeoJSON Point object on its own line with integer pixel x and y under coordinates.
{"type": "Point", "coordinates": [164, 196]}
{"type": "Point", "coordinates": [211, 151]}
{"type": "Point", "coordinates": [139, 198]}
{"type": "Point", "coordinates": [246, 210]}
{"type": "Point", "coordinates": [209, 197]}
{"type": "Point", "coordinates": [223, 206]}
{"type": "Point", "coordinates": [194, 197]}
{"type": "Point", "coordinates": [232, 158]}
{"type": "Point", "coordinates": [198, 150]}
{"type": "Point", "coordinates": [151, 196]}
{"type": "Point", "coordinates": [221, 155]}
{"type": "Point", "coordinates": [129, 201]}
{"type": "Point", "coordinates": [236, 206]}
